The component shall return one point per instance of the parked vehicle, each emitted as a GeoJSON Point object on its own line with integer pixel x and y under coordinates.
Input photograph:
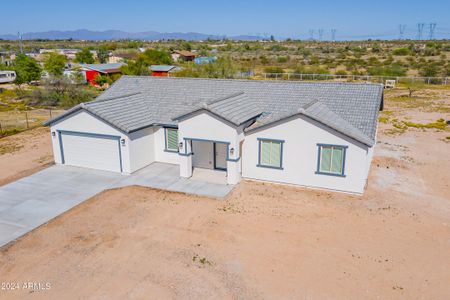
{"type": "Point", "coordinates": [7, 76]}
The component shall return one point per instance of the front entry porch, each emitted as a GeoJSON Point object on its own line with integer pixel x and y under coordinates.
{"type": "Point", "coordinates": [166, 176]}
{"type": "Point", "coordinates": [202, 158]}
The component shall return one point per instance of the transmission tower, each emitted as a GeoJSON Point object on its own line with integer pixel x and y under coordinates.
{"type": "Point", "coordinates": [320, 34]}
{"type": "Point", "coordinates": [333, 35]}
{"type": "Point", "coordinates": [20, 42]}
{"type": "Point", "coordinates": [432, 27]}
{"type": "Point", "coordinates": [311, 34]}
{"type": "Point", "coordinates": [402, 28]}
{"type": "Point", "coordinates": [420, 27]}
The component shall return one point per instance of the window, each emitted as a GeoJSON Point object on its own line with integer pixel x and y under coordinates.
{"type": "Point", "coordinates": [270, 153]}
{"type": "Point", "coordinates": [171, 139]}
{"type": "Point", "coordinates": [331, 160]}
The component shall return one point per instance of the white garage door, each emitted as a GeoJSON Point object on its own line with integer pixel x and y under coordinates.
{"type": "Point", "coordinates": [91, 151]}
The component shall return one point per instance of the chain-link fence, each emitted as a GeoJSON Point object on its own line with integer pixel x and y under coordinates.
{"type": "Point", "coordinates": [15, 121]}
{"type": "Point", "coordinates": [350, 78]}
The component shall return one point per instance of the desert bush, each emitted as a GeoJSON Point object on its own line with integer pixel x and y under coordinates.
{"type": "Point", "coordinates": [401, 51]}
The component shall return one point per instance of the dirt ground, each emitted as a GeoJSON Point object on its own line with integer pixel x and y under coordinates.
{"type": "Point", "coordinates": [264, 241]}
{"type": "Point", "coordinates": [24, 153]}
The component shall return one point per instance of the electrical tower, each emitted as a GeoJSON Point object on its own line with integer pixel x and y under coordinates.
{"type": "Point", "coordinates": [432, 27]}
{"type": "Point", "coordinates": [320, 34]}
{"type": "Point", "coordinates": [20, 42]}
{"type": "Point", "coordinates": [333, 35]}
{"type": "Point", "coordinates": [311, 34]}
{"type": "Point", "coordinates": [402, 28]}
{"type": "Point", "coordinates": [420, 27]}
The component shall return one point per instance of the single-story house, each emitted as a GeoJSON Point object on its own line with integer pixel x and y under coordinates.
{"type": "Point", "coordinates": [163, 70]}
{"type": "Point", "coordinates": [183, 55]}
{"type": "Point", "coordinates": [93, 70]}
{"type": "Point", "coordinates": [310, 134]}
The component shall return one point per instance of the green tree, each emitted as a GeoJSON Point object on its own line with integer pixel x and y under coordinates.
{"type": "Point", "coordinates": [103, 54]}
{"type": "Point", "coordinates": [136, 67]}
{"type": "Point", "coordinates": [27, 69]}
{"type": "Point", "coordinates": [54, 63]}
{"type": "Point", "coordinates": [155, 57]}
{"type": "Point", "coordinates": [84, 56]}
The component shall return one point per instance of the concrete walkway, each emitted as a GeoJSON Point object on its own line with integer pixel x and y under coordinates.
{"type": "Point", "coordinates": [38, 198]}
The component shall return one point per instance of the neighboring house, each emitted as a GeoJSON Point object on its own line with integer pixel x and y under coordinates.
{"type": "Point", "coordinates": [162, 70]}
{"type": "Point", "coordinates": [93, 70]}
{"type": "Point", "coordinates": [205, 60]}
{"type": "Point", "coordinates": [183, 55]}
{"type": "Point", "coordinates": [318, 135]}
{"type": "Point", "coordinates": [7, 76]}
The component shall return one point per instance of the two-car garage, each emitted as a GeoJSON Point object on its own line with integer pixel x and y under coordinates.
{"type": "Point", "coordinates": [96, 151]}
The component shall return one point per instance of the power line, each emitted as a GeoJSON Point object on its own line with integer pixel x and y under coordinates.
{"type": "Point", "coordinates": [20, 41]}
{"type": "Point", "coordinates": [311, 34]}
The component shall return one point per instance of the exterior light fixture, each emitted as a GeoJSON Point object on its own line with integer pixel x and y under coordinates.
{"type": "Point", "coordinates": [231, 151]}
{"type": "Point", "coordinates": [180, 145]}
{"type": "Point", "coordinates": [53, 134]}
{"type": "Point", "coordinates": [122, 141]}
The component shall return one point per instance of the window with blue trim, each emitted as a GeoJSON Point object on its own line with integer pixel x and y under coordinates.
{"type": "Point", "coordinates": [270, 153]}
{"type": "Point", "coordinates": [171, 139]}
{"type": "Point", "coordinates": [331, 160]}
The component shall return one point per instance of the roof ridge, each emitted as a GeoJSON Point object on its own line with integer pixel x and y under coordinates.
{"type": "Point", "coordinates": [253, 80]}
{"type": "Point", "coordinates": [113, 98]}
{"type": "Point", "coordinates": [222, 98]}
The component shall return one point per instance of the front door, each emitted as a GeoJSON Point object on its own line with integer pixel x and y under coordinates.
{"type": "Point", "coordinates": [220, 156]}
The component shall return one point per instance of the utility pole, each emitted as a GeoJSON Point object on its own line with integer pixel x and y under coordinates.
{"type": "Point", "coordinates": [420, 27]}
{"type": "Point", "coordinates": [320, 34]}
{"type": "Point", "coordinates": [333, 35]}
{"type": "Point", "coordinates": [20, 42]}
{"type": "Point", "coordinates": [402, 28]}
{"type": "Point", "coordinates": [432, 27]}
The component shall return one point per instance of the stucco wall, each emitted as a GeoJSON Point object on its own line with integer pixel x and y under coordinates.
{"type": "Point", "coordinates": [160, 145]}
{"type": "Point", "coordinates": [142, 148]}
{"type": "Point", "coordinates": [300, 154]}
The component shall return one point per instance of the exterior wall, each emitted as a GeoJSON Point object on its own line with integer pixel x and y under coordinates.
{"type": "Point", "coordinates": [160, 145]}
{"type": "Point", "coordinates": [82, 121]}
{"type": "Point", "coordinates": [300, 154]}
{"type": "Point", "coordinates": [142, 148]}
{"type": "Point", "coordinates": [160, 74]}
{"type": "Point", "coordinates": [90, 76]}
{"type": "Point", "coordinates": [205, 126]}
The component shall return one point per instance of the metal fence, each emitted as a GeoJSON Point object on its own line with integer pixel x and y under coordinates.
{"type": "Point", "coordinates": [364, 78]}
{"type": "Point", "coordinates": [22, 120]}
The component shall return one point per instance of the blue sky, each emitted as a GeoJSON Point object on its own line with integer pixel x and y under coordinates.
{"type": "Point", "coordinates": [282, 18]}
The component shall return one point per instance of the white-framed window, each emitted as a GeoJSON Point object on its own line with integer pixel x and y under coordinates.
{"type": "Point", "coordinates": [331, 159]}
{"type": "Point", "coordinates": [270, 153]}
{"type": "Point", "coordinates": [171, 136]}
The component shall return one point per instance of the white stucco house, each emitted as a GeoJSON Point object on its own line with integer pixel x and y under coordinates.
{"type": "Point", "coordinates": [318, 135]}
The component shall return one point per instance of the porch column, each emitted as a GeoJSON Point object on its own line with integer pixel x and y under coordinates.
{"type": "Point", "coordinates": [233, 176]}
{"type": "Point", "coordinates": [185, 155]}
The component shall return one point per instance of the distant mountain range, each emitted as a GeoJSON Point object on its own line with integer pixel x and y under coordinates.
{"type": "Point", "coordinates": [84, 34]}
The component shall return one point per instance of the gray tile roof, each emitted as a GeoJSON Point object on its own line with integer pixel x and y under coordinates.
{"type": "Point", "coordinates": [162, 68]}
{"type": "Point", "coordinates": [134, 102]}
{"type": "Point", "coordinates": [236, 108]}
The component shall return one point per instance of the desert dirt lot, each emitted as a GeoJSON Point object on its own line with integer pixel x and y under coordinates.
{"type": "Point", "coordinates": [264, 241]}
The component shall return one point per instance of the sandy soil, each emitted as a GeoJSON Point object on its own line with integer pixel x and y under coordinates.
{"type": "Point", "coordinates": [24, 153]}
{"type": "Point", "coordinates": [264, 242]}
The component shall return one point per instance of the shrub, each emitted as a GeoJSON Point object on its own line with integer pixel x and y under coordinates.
{"type": "Point", "coordinates": [273, 70]}
{"type": "Point", "coordinates": [282, 59]}
{"type": "Point", "coordinates": [401, 51]}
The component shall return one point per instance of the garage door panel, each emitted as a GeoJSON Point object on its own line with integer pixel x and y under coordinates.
{"type": "Point", "coordinates": [91, 151]}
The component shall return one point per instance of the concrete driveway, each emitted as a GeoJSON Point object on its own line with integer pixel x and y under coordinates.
{"type": "Point", "coordinates": [36, 199]}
